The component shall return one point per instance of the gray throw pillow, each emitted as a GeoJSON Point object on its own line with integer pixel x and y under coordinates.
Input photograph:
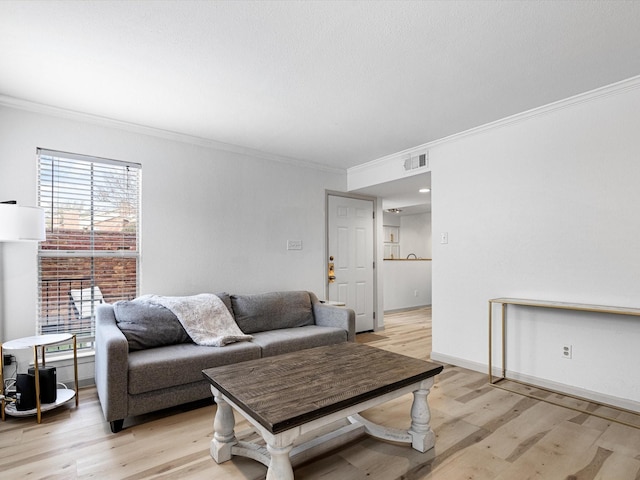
{"type": "Point", "coordinates": [146, 325]}
{"type": "Point", "coordinates": [226, 299]}
{"type": "Point", "coordinates": [271, 311]}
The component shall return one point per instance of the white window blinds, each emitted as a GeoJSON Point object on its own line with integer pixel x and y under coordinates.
{"type": "Point", "coordinates": [91, 253]}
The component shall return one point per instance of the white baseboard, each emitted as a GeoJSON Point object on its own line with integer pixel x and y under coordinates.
{"type": "Point", "coordinates": [406, 309]}
{"type": "Point", "coordinates": [65, 373]}
{"type": "Point", "coordinates": [598, 397]}
{"type": "Point", "coordinates": [460, 362]}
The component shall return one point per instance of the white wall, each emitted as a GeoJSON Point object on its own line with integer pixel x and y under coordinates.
{"type": "Point", "coordinates": [548, 208]}
{"type": "Point", "coordinates": [415, 235]}
{"type": "Point", "coordinates": [407, 284]}
{"type": "Point", "coordinates": [211, 220]}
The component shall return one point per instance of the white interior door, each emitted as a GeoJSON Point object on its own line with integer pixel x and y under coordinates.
{"type": "Point", "coordinates": [350, 224]}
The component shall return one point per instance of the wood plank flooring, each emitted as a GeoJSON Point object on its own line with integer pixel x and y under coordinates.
{"type": "Point", "coordinates": [482, 433]}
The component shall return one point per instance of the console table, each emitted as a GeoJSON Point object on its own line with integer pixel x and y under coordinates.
{"type": "Point", "coordinates": [39, 342]}
{"type": "Point", "coordinates": [579, 307]}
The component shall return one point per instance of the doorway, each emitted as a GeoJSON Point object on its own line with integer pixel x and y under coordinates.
{"type": "Point", "coordinates": [351, 251]}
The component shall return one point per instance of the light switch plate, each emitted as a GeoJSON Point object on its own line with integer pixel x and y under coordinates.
{"type": "Point", "coordinates": [294, 244]}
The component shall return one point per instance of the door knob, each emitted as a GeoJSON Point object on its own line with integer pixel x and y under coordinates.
{"type": "Point", "coordinates": [332, 273]}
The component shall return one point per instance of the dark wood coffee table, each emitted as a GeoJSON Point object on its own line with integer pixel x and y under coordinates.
{"type": "Point", "coordinates": [289, 395]}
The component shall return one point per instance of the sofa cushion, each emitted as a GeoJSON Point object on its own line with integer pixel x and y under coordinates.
{"type": "Point", "coordinates": [271, 311]}
{"type": "Point", "coordinates": [276, 342]}
{"type": "Point", "coordinates": [226, 299]}
{"type": "Point", "coordinates": [147, 325]}
{"type": "Point", "coordinates": [181, 364]}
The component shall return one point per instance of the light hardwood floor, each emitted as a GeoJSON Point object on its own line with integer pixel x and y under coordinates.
{"type": "Point", "coordinates": [482, 433]}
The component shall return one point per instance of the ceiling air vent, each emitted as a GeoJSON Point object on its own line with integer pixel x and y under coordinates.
{"type": "Point", "coordinates": [417, 160]}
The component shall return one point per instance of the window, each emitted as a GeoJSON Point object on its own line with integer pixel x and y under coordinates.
{"type": "Point", "coordinates": [91, 253]}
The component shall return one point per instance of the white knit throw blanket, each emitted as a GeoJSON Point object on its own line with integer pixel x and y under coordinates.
{"type": "Point", "coordinates": [205, 318]}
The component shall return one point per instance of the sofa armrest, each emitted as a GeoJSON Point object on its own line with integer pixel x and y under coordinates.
{"type": "Point", "coordinates": [332, 316]}
{"type": "Point", "coordinates": [111, 364]}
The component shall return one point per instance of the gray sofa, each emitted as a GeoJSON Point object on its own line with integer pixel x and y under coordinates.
{"type": "Point", "coordinates": [145, 361]}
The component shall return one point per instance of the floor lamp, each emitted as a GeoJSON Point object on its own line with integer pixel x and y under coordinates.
{"type": "Point", "coordinates": [19, 224]}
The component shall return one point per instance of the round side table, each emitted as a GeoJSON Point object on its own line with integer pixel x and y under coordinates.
{"type": "Point", "coordinates": [40, 342]}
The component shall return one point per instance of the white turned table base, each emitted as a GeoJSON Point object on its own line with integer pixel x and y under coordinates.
{"type": "Point", "coordinates": [281, 452]}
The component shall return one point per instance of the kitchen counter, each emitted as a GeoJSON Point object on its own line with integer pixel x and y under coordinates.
{"type": "Point", "coordinates": [407, 259]}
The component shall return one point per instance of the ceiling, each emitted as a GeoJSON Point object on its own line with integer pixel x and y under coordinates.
{"type": "Point", "coordinates": [403, 194]}
{"type": "Point", "coordinates": [333, 83]}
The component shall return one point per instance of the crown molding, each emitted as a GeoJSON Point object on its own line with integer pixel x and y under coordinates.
{"type": "Point", "coordinates": [592, 95]}
{"type": "Point", "coordinates": [43, 109]}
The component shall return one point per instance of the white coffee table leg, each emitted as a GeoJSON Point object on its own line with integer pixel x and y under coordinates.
{"type": "Point", "coordinates": [280, 466]}
{"type": "Point", "coordinates": [223, 435]}
{"type": "Point", "coordinates": [422, 436]}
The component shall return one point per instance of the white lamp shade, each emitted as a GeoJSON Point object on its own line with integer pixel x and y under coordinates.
{"type": "Point", "coordinates": [18, 223]}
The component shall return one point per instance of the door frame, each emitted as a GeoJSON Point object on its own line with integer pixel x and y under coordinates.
{"type": "Point", "coordinates": [378, 320]}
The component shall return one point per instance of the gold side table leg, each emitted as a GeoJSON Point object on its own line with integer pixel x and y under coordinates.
{"type": "Point", "coordinates": [37, 381]}
{"type": "Point", "coordinates": [75, 369]}
{"type": "Point", "coordinates": [2, 382]}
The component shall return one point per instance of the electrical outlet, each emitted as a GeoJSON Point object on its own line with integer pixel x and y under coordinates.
{"type": "Point", "coordinates": [6, 359]}
{"type": "Point", "coordinates": [567, 351]}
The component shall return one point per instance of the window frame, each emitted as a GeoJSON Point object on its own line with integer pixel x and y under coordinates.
{"type": "Point", "coordinates": [123, 244]}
